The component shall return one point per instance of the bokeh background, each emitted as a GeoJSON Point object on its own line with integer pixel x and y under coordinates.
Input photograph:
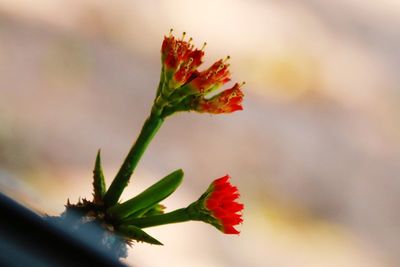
{"type": "Point", "coordinates": [315, 153]}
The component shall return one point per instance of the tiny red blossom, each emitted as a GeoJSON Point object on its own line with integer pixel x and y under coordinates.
{"type": "Point", "coordinates": [226, 102]}
{"type": "Point", "coordinates": [222, 205]}
{"type": "Point", "coordinates": [213, 77]}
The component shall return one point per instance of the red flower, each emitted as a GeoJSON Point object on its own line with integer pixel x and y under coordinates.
{"type": "Point", "coordinates": [221, 203]}
{"type": "Point", "coordinates": [180, 58]}
{"type": "Point", "coordinates": [212, 78]}
{"type": "Point", "coordinates": [226, 102]}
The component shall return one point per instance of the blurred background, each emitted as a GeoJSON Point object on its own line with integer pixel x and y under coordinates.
{"type": "Point", "coordinates": [315, 153]}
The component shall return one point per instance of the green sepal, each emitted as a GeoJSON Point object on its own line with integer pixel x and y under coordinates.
{"type": "Point", "coordinates": [99, 184]}
{"type": "Point", "coordinates": [148, 198]}
{"type": "Point", "coordinates": [187, 103]}
{"type": "Point", "coordinates": [133, 232]}
{"type": "Point", "coordinates": [161, 83]}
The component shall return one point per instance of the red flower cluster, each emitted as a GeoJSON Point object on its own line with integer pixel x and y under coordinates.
{"type": "Point", "coordinates": [222, 205]}
{"type": "Point", "coordinates": [180, 62]}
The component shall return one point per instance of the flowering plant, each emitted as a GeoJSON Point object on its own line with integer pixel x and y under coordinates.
{"type": "Point", "coordinates": [182, 87]}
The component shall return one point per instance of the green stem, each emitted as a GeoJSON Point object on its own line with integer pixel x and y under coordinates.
{"type": "Point", "coordinates": [121, 180]}
{"type": "Point", "coordinates": [176, 216]}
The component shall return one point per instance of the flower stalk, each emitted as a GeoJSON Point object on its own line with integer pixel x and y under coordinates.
{"type": "Point", "coordinates": [121, 180]}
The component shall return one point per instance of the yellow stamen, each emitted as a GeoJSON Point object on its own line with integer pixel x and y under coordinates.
{"type": "Point", "coordinates": [226, 59]}
{"type": "Point", "coordinates": [204, 45]}
{"type": "Point", "coordinates": [220, 67]}
{"type": "Point", "coordinates": [176, 47]}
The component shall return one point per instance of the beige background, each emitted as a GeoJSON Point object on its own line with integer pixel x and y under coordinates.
{"type": "Point", "coordinates": [315, 152]}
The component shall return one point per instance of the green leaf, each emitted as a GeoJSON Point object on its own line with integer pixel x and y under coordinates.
{"type": "Point", "coordinates": [148, 198]}
{"type": "Point", "coordinates": [157, 209]}
{"type": "Point", "coordinates": [99, 184]}
{"type": "Point", "coordinates": [133, 232]}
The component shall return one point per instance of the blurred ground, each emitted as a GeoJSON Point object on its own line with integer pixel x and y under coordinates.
{"type": "Point", "coordinates": [315, 152]}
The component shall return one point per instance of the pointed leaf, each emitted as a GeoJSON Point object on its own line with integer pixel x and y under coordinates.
{"type": "Point", "coordinates": [148, 198]}
{"type": "Point", "coordinates": [133, 232]}
{"type": "Point", "coordinates": [99, 184]}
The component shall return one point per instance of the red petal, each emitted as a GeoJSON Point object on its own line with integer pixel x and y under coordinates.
{"type": "Point", "coordinates": [232, 220]}
{"type": "Point", "coordinates": [230, 230]}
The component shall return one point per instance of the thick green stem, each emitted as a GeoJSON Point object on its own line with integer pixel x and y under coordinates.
{"type": "Point", "coordinates": [121, 180]}
{"type": "Point", "coordinates": [176, 216]}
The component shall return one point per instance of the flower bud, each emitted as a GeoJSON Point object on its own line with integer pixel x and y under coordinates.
{"type": "Point", "coordinates": [218, 206]}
